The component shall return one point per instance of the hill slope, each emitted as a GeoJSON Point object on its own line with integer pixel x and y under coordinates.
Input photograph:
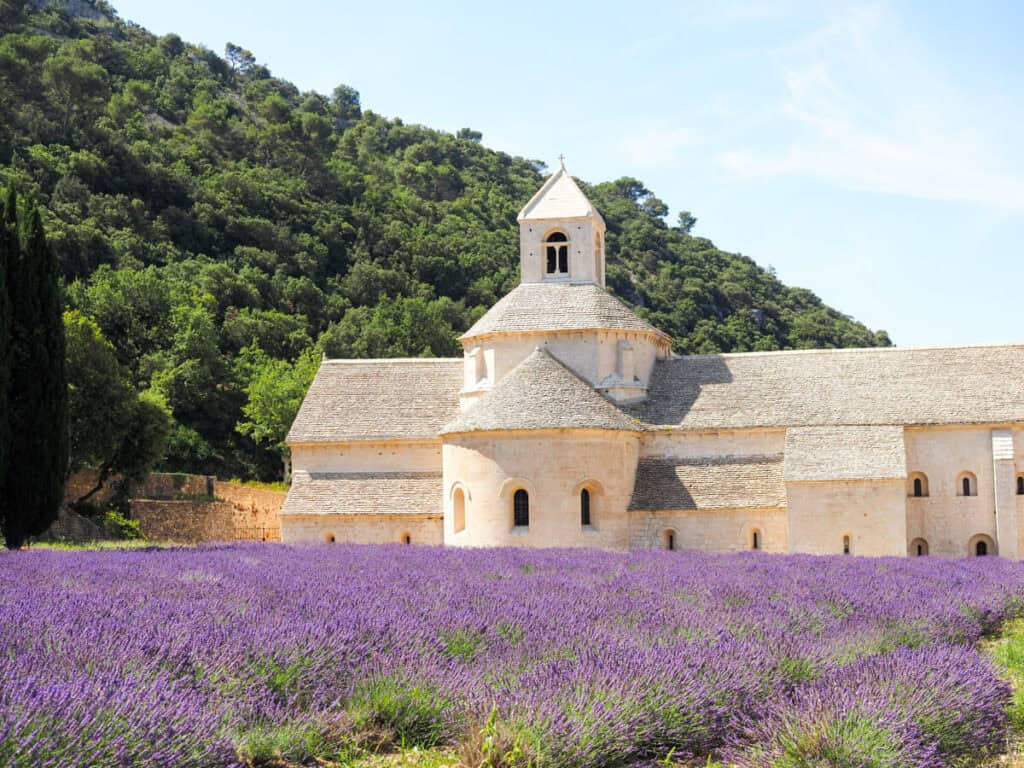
{"type": "Point", "coordinates": [202, 207]}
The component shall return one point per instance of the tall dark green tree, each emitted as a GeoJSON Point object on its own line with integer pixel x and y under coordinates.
{"type": "Point", "coordinates": [8, 250]}
{"type": "Point", "coordinates": [33, 487]}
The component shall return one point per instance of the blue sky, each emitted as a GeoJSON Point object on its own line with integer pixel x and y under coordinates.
{"type": "Point", "coordinates": [872, 152]}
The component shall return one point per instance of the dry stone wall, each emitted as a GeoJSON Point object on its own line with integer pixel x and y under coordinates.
{"type": "Point", "coordinates": [188, 509]}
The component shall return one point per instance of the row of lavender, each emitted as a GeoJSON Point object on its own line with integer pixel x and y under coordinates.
{"type": "Point", "coordinates": [223, 655]}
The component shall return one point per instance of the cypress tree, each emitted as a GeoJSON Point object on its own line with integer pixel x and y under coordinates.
{"type": "Point", "coordinates": [8, 246]}
{"type": "Point", "coordinates": [37, 394]}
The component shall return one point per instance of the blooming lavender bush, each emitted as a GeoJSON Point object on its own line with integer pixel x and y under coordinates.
{"type": "Point", "coordinates": [252, 653]}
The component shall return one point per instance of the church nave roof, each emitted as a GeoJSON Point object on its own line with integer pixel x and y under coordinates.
{"type": "Point", "coordinates": [399, 399]}
{"type": "Point", "coordinates": [922, 386]}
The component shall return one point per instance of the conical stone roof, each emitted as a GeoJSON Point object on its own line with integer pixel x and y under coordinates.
{"type": "Point", "coordinates": [541, 393]}
{"type": "Point", "coordinates": [539, 307]}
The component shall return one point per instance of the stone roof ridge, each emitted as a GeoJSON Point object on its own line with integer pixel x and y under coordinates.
{"type": "Point", "coordinates": [541, 393]}
{"type": "Point", "coordinates": [853, 350]}
{"type": "Point", "coordinates": [559, 198]}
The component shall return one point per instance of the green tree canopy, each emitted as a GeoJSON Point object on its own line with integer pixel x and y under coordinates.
{"type": "Point", "coordinates": [273, 395]}
{"type": "Point", "coordinates": [199, 206]}
{"type": "Point", "coordinates": [111, 426]}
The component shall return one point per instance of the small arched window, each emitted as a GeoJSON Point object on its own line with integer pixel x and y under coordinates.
{"type": "Point", "coordinates": [846, 545]}
{"type": "Point", "coordinates": [521, 509]}
{"type": "Point", "coordinates": [918, 485]}
{"type": "Point", "coordinates": [918, 547]}
{"type": "Point", "coordinates": [755, 539]}
{"type": "Point", "coordinates": [406, 538]}
{"type": "Point", "coordinates": [967, 484]}
{"type": "Point", "coordinates": [459, 510]}
{"type": "Point", "coordinates": [329, 538]}
{"type": "Point", "coordinates": [981, 546]}
{"type": "Point", "coordinates": [556, 250]}
{"type": "Point", "coordinates": [585, 507]}
{"type": "Point", "coordinates": [1020, 485]}
{"type": "Point", "coordinates": [669, 538]}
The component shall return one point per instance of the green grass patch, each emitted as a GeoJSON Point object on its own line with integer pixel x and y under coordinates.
{"type": "Point", "coordinates": [388, 712]}
{"type": "Point", "coordinates": [462, 643]}
{"type": "Point", "coordinates": [1007, 650]}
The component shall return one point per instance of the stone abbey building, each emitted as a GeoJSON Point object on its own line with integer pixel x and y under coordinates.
{"type": "Point", "coordinates": [569, 422]}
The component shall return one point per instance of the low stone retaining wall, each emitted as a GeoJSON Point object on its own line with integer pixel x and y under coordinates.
{"type": "Point", "coordinates": [195, 522]}
{"type": "Point", "coordinates": [157, 485]}
{"type": "Point", "coordinates": [189, 509]}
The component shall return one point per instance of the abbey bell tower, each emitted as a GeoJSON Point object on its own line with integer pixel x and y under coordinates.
{"type": "Point", "coordinates": [561, 235]}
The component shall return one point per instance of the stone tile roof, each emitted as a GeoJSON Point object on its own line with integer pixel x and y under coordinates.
{"type": "Point", "coordinates": [726, 482]}
{"type": "Point", "coordinates": [953, 385]}
{"type": "Point", "coordinates": [541, 393]}
{"type": "Point", "coordinates": [559, 198]}
{"type": "Point", "coordinates": [379, 400]}
{"type": "Point", "coordinates": [558, 306]}
{"type": "Point", "coordinates": [381, 493]}
{"type": "Point", "coordinates": [845, 453]}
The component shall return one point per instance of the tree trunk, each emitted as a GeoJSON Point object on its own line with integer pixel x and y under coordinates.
{"type": "Point", "coordinates": [101, 480]}
{"type": "Point", "coordinates": [14, 537]}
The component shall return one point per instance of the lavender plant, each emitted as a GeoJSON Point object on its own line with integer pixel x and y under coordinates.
{"type": "Point", "coordinates": [250, 654]}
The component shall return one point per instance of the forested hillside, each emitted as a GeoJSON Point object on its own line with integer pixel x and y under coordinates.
{"type": "Point", "coordinates": [224, 229]}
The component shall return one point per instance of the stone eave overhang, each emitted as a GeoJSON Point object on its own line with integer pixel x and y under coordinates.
{"type": "Point", "coordinates": [528, 431]}
{"type": "Point", "coordinates": [653, 332]}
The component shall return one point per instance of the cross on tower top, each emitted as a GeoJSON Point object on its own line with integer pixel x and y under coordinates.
{"type": "Point", "coordinates": [561, 159]}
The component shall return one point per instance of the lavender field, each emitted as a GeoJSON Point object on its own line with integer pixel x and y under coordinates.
{"type": "Point", "coordinates": [272, 655]}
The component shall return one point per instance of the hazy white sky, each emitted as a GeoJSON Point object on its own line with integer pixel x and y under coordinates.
{"type": "Point", "coordinates": [871, 152]}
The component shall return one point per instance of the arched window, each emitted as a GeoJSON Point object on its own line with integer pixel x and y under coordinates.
{"type": "Point", "coordinates": [459, 510]}
{"type": "Point", "coordinates": [918, 484]}
{"type": "Point", "coordinates": [1020, 485]}
{"type": "Point", "coordinates": [406, 538]}
{"type": "Point", "coordinates": [967, 484]}
{"type": "Point", "coordinates": [585, 507]}
{"type": "Point", "coordinates": [755, 539]}
{"type": "Point", "coordinates": [329, 538]}
{"type": "Point", "coordinates": [669, 539]}
{"type": "Point", "coordinates": [981, 546]}
{"type": "Point", "coordinates": [521, 508]}
{"type": "Point", "coordinates": [846, 545]}
{"type": "Point", "coordinates": [556, 249]}
{"type": "Point", "coordinates": [918, 547]}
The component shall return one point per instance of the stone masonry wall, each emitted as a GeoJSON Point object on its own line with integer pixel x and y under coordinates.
{"type": "Point", "coordinates": [240, 513]}
{"type": "Point", "coordinates": [188, 509]}
{"type": "Point", "coordinates": [157, 485]}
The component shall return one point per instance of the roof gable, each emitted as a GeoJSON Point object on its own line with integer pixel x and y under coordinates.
{"type": "Point", "coordinates": [401, 399]}
{"type": "Point", "coordinates": [541, 393]}
{"type": "Point", "coordinates": [559, 198]}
